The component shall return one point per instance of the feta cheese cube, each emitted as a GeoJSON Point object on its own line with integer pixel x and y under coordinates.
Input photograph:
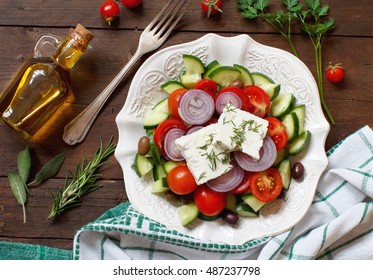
{"type": "Point", "coordinates": [241, 130]}
{"type": "Point", "coordinates": [206, 159]}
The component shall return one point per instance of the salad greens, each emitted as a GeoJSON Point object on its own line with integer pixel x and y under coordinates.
{"type": "Point", "coordinates": [310, 15]}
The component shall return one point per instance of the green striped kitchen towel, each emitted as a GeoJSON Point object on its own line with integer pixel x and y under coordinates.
{"type": "Point", "coordinates": [338, 225]}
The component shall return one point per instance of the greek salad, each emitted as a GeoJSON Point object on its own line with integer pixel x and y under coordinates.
{"type": "Point", "coordinates": [222, 141]}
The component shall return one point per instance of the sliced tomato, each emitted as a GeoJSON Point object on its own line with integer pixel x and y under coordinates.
{"type": "Point", "coordinates": [180, 180]}
{"type": "Point", "coordinates": [277, 131]}
{"type": "Point", "coordinates": [259, 100]}
{"type": "Point", "coordinates": [208, 201]}
{"type": "Point", "coordinates": [241, 94]}
{"type": "Point", "coordinates": [207, 85]}
{"type": "Point", "coordinates": [165, 126]}
{"type": "Point", "coordinates": [173, 101]}
{"type": "Point", "coordinates": [244, 185]}
{"type": "Point", "coordinates": [266, 185]}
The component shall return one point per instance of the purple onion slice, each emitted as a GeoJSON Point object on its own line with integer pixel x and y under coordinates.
{"type": "Point", "coordinates": [228, 181]}
{"type": "Point", "coordinates": [227, 97]}
{"type": "Point", "coordinates": [267, 155]}
{"type": "Point", "coordinates": [196, 107]}
{"type": "Point", "coordinates": [170, 150]}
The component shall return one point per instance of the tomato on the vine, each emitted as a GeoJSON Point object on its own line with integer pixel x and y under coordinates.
{"type": "Point", "coordinates": [173, 101]}
{"type": "Point", "coordinates": [208, 201]}
{"type": "Point", "coordinates": [180, 180]}
{"type": "Point", "coordinates": [335, 73]}
{"type": "Point", "coordinates": [277, 131]}
{"type": "Point", "coordinates": [259, 100]}
{"type": "Point", "coordinates": [131, 3]}
{"type": "Point", "coordinates": [211, 7]}
{"type": "Point", "coordinates": [109, 11]}
{"type": "Point", "coordinates": [266, 185]}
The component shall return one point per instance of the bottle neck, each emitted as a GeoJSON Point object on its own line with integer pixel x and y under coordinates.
{"type": "Point", "coordinates": [70, 50]}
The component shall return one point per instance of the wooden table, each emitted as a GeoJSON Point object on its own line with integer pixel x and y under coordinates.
{"type": "Point", "coordinates": [22, 22]}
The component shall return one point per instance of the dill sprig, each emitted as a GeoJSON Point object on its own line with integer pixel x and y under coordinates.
{"type": "Point", "coordinates": [82, 182]}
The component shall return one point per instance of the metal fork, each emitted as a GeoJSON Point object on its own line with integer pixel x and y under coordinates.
{"type": "Point", "coordinates": [151, 38]}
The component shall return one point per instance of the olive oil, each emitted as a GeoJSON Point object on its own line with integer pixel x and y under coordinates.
{"type": "Point", "coordinates": [42, 85]}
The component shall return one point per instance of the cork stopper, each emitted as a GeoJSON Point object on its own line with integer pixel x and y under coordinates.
{"type": "Point", "coordinates": [82, 31]}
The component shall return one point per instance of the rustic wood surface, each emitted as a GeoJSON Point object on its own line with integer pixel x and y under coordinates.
{"type": "Point", "coordinates": [22, 22]}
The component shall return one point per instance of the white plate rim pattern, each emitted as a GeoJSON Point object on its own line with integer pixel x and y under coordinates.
{"type": "Point", "coordinates": [284, 68]}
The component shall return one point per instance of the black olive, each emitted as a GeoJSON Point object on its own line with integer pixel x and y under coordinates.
{"type": "Point", "coordinates": [297, 170]}
{"type": "Point", "coordinates": [229, 217]}
{"type": "Point", "coordinates": [143, 145]}
{"type": "Point", "coordinates": [237, 83]}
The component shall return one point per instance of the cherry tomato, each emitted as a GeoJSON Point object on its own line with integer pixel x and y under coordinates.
{"type": "Point", "coordinates": [131, 3]}
{"type": "Point", "coordinates": [266, 185]}
{"type": "Point", "coordinates": [244, 185]}
{"type": "Point", "coordinates": [211, 7]}
{"type": "Point", "coordinates": [180, 180]}
{"type": "Point", "coordinates": [208, 201]}
{"type": "Point", "coordinates": [335, 73]}
{"type": "Point", "coordinates": [109, 11]}
{"type": "Point", "coordinates": [259, 100]}
{"type": "Point", "coordinates": [241, 94]}
{"type": "Point", "coordinates": [207, 85]}
{"type": "Point", "coordinates": [166, 125]}
{"type": "Point", "coordinates": [277, 131]}
{"type": "Point", "coordinates": [173, 101]}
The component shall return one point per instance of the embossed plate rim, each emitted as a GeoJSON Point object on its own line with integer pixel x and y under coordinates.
{"type": "Point", "coordinates": [277, 216]}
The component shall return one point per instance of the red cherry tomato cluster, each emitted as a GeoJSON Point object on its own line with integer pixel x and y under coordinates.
{"type": "Point", "coordinates": [109, 9]}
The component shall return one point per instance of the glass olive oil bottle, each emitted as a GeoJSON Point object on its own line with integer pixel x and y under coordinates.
{"type": "Point", "coordinates": [42, 85]}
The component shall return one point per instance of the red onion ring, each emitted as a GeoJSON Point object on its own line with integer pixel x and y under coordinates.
{"type": "Point", "coordinates": [196, 106]}
{"type": "Point", "coordinates": [169, 149]}
{"type": "Point", "coordinates": [228, 181]}
{"type": "Point", "coordinates": [194, 128]}
{"type": "Point", "coordinates": [267, 155]}
{"type": "Point", "coordinates": [227, 97]}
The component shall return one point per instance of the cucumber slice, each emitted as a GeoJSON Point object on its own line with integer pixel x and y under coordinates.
{"type": "Point", "coordinates": [193, 65]}
{"type": "Point", "coordinates": [261, 79]}
{"type": "Point", "coordinates": [281, 155]}
{"type": "Point", "coordinates": [190, 80]}
{"type": "Point", "coordinates": [300, 110]}
{"type": "Point", "coordinates": [253, 202]}
{"type": "Point", "coordinates": [225, 75]}
{"type": "Point", "coordinates": [245, 76]}
{"type": "Point", "coordinates": [282, 105]}
{"type": "Point", "coordinates": [169, 165]}
{"type": "Point", "coordinates": [154, 150]}
{"type": "Point", "coordinates": [231, 202]}
{"type": "Point", "coordinates": [142, 165]}
{"type": "Point", "coordinates": [300, 143]}
{"type": "Point", "coordinates": [153, 118]}
{"type": "Point", "coordinates": [162, 106]}
{"type": "Point", "coordinates": [159, 172]}
{"type": "Point", "coordinates": [160, 186]}
{"type": "Point", "coordinates": [273, 90]}
{"type": "Point", "coordinates": [285, 171]}
{"type": "Point", "coordinates": [171, 86]}
{"type": "Point", "coordinates": [210, 67]}
{"type": "Point", "coordinates": [187, 213]}
{"type": "Point", "coordinates": [244, 210]}
{"type": "Point", "coordinates": [291, 124]}
{"type": "Point", "coordinates": [208, 218]}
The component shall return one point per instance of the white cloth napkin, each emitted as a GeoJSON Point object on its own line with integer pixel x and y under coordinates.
{"type": "Point", "coordinates": [338, 225]}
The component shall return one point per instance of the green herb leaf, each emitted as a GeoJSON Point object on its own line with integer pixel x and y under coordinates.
{"type": "Point", "coordinates": [50, 169]}
{"type": "Point", "coordinates": [18, 188]}
{"type": "Point", "coordinates": [82, 182]}
{"type": "Point", "coordinates": [24, 164]}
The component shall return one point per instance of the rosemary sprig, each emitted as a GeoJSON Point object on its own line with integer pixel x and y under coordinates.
{"type": "Point", "coordinates": [82, 182]}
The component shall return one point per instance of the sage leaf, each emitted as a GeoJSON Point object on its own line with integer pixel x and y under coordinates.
{"type": "Point", "coordinates": [18, 188]}
{"type": "Point", "coordinates": [24, 164]}
{"type": "Point", "coordinates": [50, 169]}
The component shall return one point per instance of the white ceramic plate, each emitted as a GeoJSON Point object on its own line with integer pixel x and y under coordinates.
{"type": "Point", "coordinates": [284, 68]}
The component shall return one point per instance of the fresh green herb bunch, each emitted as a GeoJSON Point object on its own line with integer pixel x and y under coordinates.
{"type": "Point", "coordinates": [310, 15]}
{"type": "Point", "coordinates": [19, 181]}
{"type": "Point", "coordinates": [82, 182]}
